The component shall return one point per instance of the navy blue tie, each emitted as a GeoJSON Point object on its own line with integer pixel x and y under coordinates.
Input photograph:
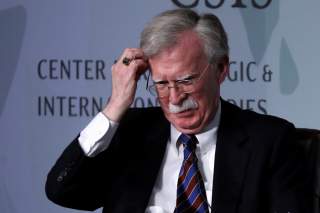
{"type": "Point", "coordinates": [191, 194]}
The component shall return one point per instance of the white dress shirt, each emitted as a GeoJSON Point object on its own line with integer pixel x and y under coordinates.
{"type": "Point", "coordinates": [97, 136]}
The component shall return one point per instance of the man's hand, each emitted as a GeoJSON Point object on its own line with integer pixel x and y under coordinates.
{"type": "Point", "coordinates": [124, 82]}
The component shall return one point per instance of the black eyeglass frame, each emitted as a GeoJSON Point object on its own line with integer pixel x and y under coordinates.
{"type": "Point", "coordinates": [195, 80]}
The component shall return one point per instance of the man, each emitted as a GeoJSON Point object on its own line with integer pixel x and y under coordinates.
{"type": "Point", "coordinates": [197, 153]}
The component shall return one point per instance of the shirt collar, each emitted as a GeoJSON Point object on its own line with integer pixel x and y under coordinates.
{"type": "Point", "coordinates": [207, 138]}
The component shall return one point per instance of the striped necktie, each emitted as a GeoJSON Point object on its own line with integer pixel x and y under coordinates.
{"type": "Point", "coordinates": [191, 194]}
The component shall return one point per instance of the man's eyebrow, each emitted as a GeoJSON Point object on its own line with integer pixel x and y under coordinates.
{"type": "Point", "coordinates": [182, 77]}
{"type": "Point", "coordinates": [159, 81]}
{"type": "Point", "coordinates": [187, 76]}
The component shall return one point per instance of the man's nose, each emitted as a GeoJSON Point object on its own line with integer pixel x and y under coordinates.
{"type": "Point", "coordinates": [176, 96]}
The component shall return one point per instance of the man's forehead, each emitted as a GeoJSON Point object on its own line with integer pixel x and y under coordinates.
{"type": "Point", "coordinates": [188, 52]}
{"type": "Point", "coordinates": [186, 41]}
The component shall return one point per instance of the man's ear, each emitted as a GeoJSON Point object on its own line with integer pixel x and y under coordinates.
{"type": "Point", "coordinates": [223, 69]}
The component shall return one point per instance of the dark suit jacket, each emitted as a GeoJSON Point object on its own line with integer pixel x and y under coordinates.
{"type": "Point", "coordinates": [257, 166]}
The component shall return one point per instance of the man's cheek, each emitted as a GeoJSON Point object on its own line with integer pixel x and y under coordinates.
{"type": "Point", "coordinates": [164, 104]}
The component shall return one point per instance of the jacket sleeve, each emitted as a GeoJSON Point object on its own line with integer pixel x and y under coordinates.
{"type": "Point", "coordinates": [80, 182]}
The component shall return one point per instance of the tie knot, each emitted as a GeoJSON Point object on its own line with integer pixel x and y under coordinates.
{"type": "Point", "coordinates": [188, 141]}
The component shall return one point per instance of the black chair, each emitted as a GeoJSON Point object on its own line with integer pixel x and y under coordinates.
{"type": "Point", "coordinates": [309, 141]}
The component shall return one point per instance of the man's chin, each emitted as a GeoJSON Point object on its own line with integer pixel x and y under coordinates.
{"type": "Point", "coordinates": [187, 128]}
{"type": "Point", "coordinates": [184, 121]}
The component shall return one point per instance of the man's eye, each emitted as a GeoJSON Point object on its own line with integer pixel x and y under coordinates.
{"type": "Point", "coordinates": [186, 81]}
{"type": "Point", "coordinates": [161, 84]}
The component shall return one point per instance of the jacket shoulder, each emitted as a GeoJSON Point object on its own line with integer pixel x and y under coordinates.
{"type": "Point", "coordinates": [254, 122]}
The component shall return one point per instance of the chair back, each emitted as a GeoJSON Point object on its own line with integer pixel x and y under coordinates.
{"type": "Point", "coordinates": [309, 141]}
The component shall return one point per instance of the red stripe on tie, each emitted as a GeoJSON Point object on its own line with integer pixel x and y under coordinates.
{"type": "Point", "coordinates": [191, 185]}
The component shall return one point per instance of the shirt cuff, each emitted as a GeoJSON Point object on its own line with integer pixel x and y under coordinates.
{"type": "Point", "coordinates": [97, 135]}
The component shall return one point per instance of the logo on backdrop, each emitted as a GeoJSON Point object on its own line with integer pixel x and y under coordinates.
{"type": "Point", "coordinates": [259, 26]}
{"type": "Point", "coordinates": [12, 25]}
{"type": "Point", "coordinates": [215, 4]}
{"type": "Point", "coordinates": [260, 19]}
{"type": "Point", "coordinates": [13, 22]}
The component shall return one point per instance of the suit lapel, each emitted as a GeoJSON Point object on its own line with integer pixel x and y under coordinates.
{"type": "Point", "coordinates": [231, 159]}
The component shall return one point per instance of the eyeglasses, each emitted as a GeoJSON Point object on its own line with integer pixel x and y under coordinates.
{"type": "Point", "coordinates": [186, 85]}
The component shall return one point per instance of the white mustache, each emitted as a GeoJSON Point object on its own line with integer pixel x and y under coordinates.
{"type": "Point", "coordinates": [186, 105]}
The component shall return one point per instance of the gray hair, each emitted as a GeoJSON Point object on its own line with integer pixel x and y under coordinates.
{"type": "Point", "coordinates": [163, 32]}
